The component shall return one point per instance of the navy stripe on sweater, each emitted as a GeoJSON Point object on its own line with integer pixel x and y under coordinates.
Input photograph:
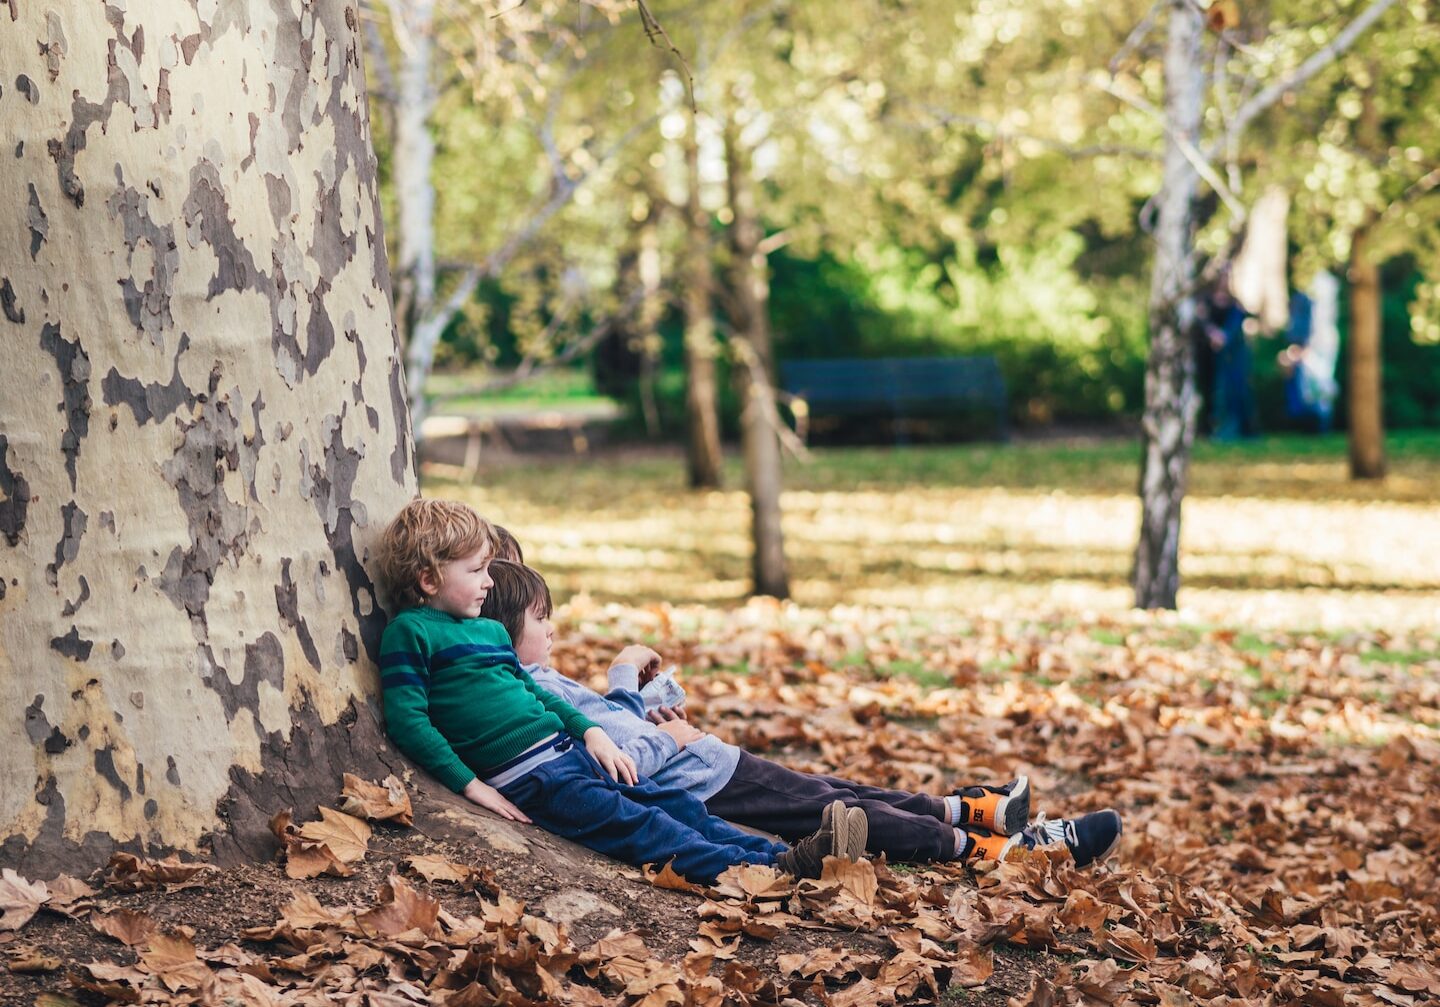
{"type": "Point", "coordinates": [450, 655]}
{"type": "Point", "coordinates": [403, 678]}
{"type": "Point", "coordinates": [403, 659]}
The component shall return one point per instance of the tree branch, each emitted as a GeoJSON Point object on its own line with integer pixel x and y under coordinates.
{"type": "Point", "coordinates": [1197, 161]}
{"type": "Point", "coordinates": [1317, 61]}
{"type": "Point", "coordinates": [1003, 133]}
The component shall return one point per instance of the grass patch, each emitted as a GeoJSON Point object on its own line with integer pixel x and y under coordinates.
{"type": "Point", "coordinates": [1401, 657]}
{"type": "Point", "coordinates": [917, 671]}
{"type": "Point", "coordinates": [1108, 637]}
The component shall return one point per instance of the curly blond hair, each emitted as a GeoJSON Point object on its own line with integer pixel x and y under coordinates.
{"type": "Point", "coordinates": [424, 536]}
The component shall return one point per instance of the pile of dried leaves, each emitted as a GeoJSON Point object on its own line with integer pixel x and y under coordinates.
{"type": "Point", "coordinates": [1282, 837]}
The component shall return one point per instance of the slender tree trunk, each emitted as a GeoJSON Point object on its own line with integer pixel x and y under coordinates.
{"type": "Point", "coordinates": [413, 167]}
{"type": "Point", "coordinates": [1171, 404]}
{"type": "Point", "coordinates": [1366, 405]}
{"type": "Point", "coordinates": [647, 317]}
{"type": "Point", "coordinates": [202, 423]}
{"type": "Point", "coordinates": [1366, 377]}
{"type": "Point", "coordinates": [750, 292]}
{"type": "Point", "coordinates": [702, 443]}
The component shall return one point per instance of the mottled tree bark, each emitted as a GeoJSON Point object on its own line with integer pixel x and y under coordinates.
{"type": "Point", "coordinates": [753, 367]}
{"type": "Point", "coordinates": [1366, 400]}
{"type": "Point", "coordinates": [702, 443]}
{"type": "Point", "coordinates": [1171, 404]}
{"type": "Point", "coordinates": [202, 422]}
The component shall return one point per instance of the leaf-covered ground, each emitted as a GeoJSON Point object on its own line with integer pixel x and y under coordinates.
{"type": "Point", "coordinates": [1282, 839]}
{"type": "Point", "coordinates": [1274, 749]}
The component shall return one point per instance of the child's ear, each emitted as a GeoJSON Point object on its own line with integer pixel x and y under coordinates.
{"type": "Point", "coordinates": [429, 583]}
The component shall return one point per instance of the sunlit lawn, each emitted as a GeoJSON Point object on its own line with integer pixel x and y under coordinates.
{"type": "Point", "coordinates": [1274, 532]}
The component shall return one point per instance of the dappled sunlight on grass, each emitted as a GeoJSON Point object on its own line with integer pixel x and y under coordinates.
{"type": "Point", "coordinates": [877, 527]}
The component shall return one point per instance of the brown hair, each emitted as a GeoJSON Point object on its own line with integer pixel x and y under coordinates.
{"type": "Point", "coordinates": [507, 547]}
{"type": "Point", "coordinates": [517, 590]}
{"type": "Point", "coordinates": [425, 535]}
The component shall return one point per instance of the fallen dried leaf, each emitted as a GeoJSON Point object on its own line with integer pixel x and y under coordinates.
{"type": "Point", "coordinates": [125, 925]}
{"type": "Point", "coordinates": [20, 900]}
{"type": "Point", "coordinates": [386, 801]}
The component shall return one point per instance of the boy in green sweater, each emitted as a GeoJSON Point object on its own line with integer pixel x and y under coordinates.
{"type": "Point", "coordinates": [458, 704]}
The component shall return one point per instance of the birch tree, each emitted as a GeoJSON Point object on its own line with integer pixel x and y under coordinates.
{"type": "Point", "coordinates": [203, 422]}
{"type": "Point", "coordinates": [1171, 403]}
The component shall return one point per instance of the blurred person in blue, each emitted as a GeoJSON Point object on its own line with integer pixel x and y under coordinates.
{"type": "Point", "coordinates": [1308, 362]}
{"type": "Point", "coordinates": [1232, 405]}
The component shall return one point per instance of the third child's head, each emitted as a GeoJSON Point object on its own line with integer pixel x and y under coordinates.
{"type": "Point", "coordinates": [437, 553]}
{"type": "Point", "coordinates": [520, 601]}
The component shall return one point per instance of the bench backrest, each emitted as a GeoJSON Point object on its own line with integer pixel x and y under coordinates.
{"type": "Point", "coordinates": [839, 385]}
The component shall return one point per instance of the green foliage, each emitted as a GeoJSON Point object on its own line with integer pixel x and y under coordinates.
{"type": "Point", "coordinates": [1070, 348]}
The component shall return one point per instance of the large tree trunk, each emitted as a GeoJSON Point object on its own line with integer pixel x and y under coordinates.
{"type": "Point", "coordinates": [202, 422]}
{"type": "Point", "coordinates": [702, 442]}
{"type": "Point", "coordinates": [753, 366]}
{"type": "Point", "coordinates": [1171, 404]}
{"type": "Point", "coordinates": [1366, 402]}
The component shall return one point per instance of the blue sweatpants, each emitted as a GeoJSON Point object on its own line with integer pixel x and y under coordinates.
{"type": "Point", "coordinates": [641, 824]}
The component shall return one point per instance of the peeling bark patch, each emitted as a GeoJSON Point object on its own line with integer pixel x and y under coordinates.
{"type": "Point", "coordinates": [207, 220]}
{"type": "Point", "coordinates": [264, 662]}
{"type": "Point", "coordinates": [83, 114]}
{"type": "Point", "coordinates": [37, 727]}
{"type": "Point", "coordinates": [287, 603]}
{"type": "Point", "coordinates": [71, 607]}
{"type": "Point", "coordinates": [54, 48]}
{"type": "Point", "coordinates": [74, 366]}
{"type": "Point", "coordinates": [349, 646]}
{"type": "Point", "coordinates": [320, 333]}
{"type": "Point", "coordinates": [12, 311]}
{"type": "Point", "coordinates": [278, 193]}
{"type": "Point", "coordinates": [56, 742]}
{"type": "Point", "coordinates": [217, 526]}
{"type": "Point", "coordinates": [400, 457]}
{"type": "Point", "coordinates": [172, 774]}
{"type": "Point", "coordinates": [27, 87]}
{"type": "Point", "coordinates": [38, 223]}
{"type": "Point", "coordinates": [105, 766]}
{"type": "Point", "coordinates": [153, 401]}
{"type": "Point", "coordinates": [75, 521]}
{"type": "Point", "coordinates": [71, 645]}
{"type": "Point", "coordinates": [147, 303]}
{"type": "Point", "coordinates": [331, 492]}
{"type": "Point", "coordinates": [16, 489]}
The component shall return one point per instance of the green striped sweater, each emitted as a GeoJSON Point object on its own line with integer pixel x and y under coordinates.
{"type": "Point", "coordinates": [456, 701]}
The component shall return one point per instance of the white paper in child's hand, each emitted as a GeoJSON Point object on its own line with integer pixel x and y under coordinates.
{"type": "Point", "coordinates": [663, 690]}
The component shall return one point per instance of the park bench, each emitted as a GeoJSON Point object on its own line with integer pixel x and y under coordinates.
{"type": "Point", "coordinates": [901, 389]}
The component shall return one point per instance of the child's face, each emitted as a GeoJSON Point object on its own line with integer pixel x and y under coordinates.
{"type": "Point", "coordinates": [533, 647]}
{"type": "Point", "coordinates": [462, 587]}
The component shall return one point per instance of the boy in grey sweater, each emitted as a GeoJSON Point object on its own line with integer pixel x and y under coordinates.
{"type": "Point", "coordinates": [972, 823]}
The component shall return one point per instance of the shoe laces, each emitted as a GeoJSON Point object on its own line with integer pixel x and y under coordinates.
{"type": "Point", "coordinates": [1045, 832]}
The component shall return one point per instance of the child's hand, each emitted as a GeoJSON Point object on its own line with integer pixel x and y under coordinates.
{"type": "Point", "coordinates": [642, 657]}
{"type": "Point", "coordinates": [662, 715]}
{"type": "Point", "coordinates": [615, 762]}
{"type": "Point", "coordinates": [682, 732]}
{"type": "Point", "coordinates": [492, 800]}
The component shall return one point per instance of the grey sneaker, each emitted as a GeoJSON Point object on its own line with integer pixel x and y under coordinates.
{"type": "Point", "coordinates": [842, 833]}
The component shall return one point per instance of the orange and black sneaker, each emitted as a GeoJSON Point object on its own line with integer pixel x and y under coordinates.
{"type": "Point", "coordinates": [1005, 810]}
{"type": "Point", "coordinates": [982, 844]}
